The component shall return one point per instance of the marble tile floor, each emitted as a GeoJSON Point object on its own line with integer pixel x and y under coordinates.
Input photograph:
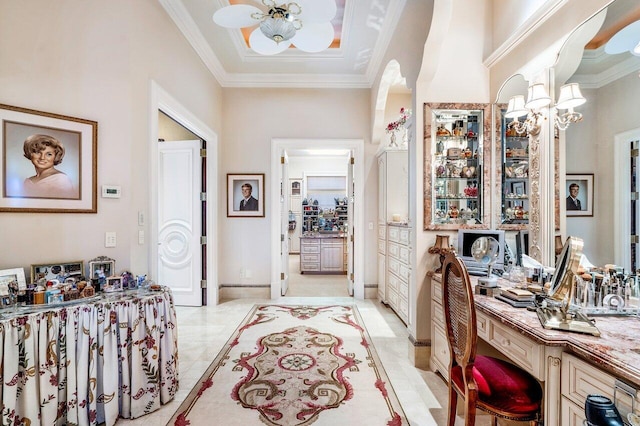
{"type": "Point", "coordinates": [314, 285]}
{"type": "Point", "coordinates": [202, 332]}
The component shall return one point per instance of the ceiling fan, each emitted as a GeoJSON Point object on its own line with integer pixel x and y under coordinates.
{"type": "Point", "coordinates": [304, 23]}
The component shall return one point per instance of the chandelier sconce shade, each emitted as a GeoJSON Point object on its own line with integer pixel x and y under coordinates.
{"type": "Point", "coordinates": [303, 23]}
{"type": "Point", "coordinates": [537, 97]}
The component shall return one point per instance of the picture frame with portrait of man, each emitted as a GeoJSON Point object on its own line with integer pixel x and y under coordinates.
{"type": "Point", "coordinates": [49, 162]}
{"type": "Point", "coordinates": [245, 195]}
{"type": "Point", "coordinates": [579, 194]}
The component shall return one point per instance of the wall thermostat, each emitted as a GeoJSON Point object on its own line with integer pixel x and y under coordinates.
{"type": "Point", "coordinates": [111, 191]}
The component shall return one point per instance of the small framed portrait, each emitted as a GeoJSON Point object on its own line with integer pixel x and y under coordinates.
{"type": "Point", "coordinates": [49, 162]}
{"type": "Point", "coordinates": [579, 190]}
{"type": "Point", "coordinates": [13, 278]}
{"type": "Point", "coordinates": [60, 271]}
{"type": "Point", "coordinates": [245, 195]}
{"type": "Point", "coordinates": [112, 284]}
{"type": "Point", "coordinates": [518, 188]}
{"type": "Point", "coordinates": [101, 268]}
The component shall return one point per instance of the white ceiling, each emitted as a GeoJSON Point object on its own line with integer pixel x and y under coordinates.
{"type": "Point", "coordinates": [366, 29]}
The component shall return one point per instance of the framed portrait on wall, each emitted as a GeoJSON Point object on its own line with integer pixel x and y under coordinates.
{"type": "Point", "coordinates": [579, 190]}
{"type": "Point", "coordinates": [49, 162]}
{"type": "Point", "coordinates": [245, 195]}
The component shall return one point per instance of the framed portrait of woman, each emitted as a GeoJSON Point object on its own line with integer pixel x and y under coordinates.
{"type": "Point", "coordinates": [49, 162]}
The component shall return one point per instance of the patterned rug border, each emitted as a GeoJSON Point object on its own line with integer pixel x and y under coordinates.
{"type": "Point", "coordinates": [206, 380]}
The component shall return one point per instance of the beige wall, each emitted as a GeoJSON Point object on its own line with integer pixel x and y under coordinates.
{"type": "Point", "coordinates": [252, 118]}
{"type": "Point", "coordinates": [95, 60]}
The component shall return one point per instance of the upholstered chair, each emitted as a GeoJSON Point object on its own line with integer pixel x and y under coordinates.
{"type": "Point", "coordinates": [497, 387]}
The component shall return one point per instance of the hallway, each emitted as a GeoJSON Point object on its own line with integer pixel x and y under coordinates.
{"type": "Point", "coordinates": [314, 285]}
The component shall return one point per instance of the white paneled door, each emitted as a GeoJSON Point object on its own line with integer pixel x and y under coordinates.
{"type": "Point", "coordinates": [179, 220]}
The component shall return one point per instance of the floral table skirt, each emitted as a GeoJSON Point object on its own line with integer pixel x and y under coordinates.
{"type": "Point", "coordinates": [89, 363]}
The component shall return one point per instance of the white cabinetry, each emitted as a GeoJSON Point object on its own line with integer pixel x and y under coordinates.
{"type": "Point", "coordinates": [398, 269]}
{"type": "Point", "coordinates": [322, 254]}
{"type": "Point", "coordinates": [581, 379]}
{"type": "Point", "coordinates": [393, 199]}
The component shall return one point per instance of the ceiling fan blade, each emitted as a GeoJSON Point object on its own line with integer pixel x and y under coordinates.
{"type": "Point", "coordinates": [317, 10]}
{"type": "Point", "coordinates": [236, 16]}
{"type": "Point", "coordinates": [263, 45]}
{"type": "Point", "coordinates": [624, 40]}
{"type": "Point", "coordinates": [314, 37]}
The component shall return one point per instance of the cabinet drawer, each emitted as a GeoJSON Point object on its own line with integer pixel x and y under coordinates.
{"type": "Point", "coordinates": [382, 232]}
{"type": "Point", "coordinates": [438, 314]}
{"type": "Point", "coordinates": [403, 306]}
{"type": "Point", "coordinates": [309, 248]}
{"type": "Point", "coordinates": [405, 272]}
{"type": "Point", "coordinates": [404, 254]}
{"type": "Point", "coordinates": [580, 379]}
{"type": "Point", "coordinates": [405, 236]}
{"type": "Point", "coordinates": [436, 292]}
{"type": "Point", "coordinates": [393, 282]}
{"type": "Point", "coordinates": [522, 351]}
{"type": "Point", "coordinates": [441, 351]}
{"type": "Point", "coordinates": [482, 325]}
{"type": "Point", "coordinates": [394, 265]}
{"type": "Point", "coordinates": [392, 297]}
{"type": "Point", "coordinates": [314, 266]}
{"type": "Point", "coordinates": [382, 246]}
{"type": "Point", "coordinates": [393, 250]}
{"type": "Point", "coordinates": [306, 258]}
{"type": "Point", "coordinates": [332, 242]}
{"type": "Point", "coordinates": [571, 414]}
{"type": "Point", "coordinates": [394, 234]}
{"type": "Point", "coordinates": [403, 289]}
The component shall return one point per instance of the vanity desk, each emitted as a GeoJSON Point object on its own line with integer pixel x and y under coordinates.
{"type": "Point", "coordinates": [569, 366]}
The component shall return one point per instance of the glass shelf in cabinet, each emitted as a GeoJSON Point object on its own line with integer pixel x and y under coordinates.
{"type": "Point", "coordinates": [455, 198]}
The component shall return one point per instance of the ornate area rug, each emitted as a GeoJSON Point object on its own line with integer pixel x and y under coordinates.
{"type": "Point", "coordinates": [295, 365]}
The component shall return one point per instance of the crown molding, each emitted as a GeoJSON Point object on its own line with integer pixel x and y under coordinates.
{"type": "Point", "coordinates": [297, 81]}
{"type": "Point", "coordinates": [611, 74]}
{"type": "Point", "coordinates": [180, 16]}
{"type": "Point", "coordinates": [390, 23]}
{"type": "Point", "coordinates": [538, 18]}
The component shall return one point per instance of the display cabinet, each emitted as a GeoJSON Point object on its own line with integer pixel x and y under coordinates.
{"type": "Point", "coordinates": [515, 188]}
{"type": "Point", "coordinates": [456, 155]}
{"type": "Point", "coordinates": [310, 212]}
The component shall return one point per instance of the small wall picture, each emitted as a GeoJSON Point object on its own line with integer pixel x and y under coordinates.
{"type": "Point", "coordinates": [245, 195]}
{"type": "Point", "coordinates": [579, 190]}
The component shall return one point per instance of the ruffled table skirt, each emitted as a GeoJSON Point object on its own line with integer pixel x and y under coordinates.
{"type": "Point", "coordinates": [90, 363]}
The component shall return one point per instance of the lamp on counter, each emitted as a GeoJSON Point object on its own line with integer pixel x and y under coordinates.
{"type": "Point", "coordinates": [441, 247]}
{"type": "Point", "coordinates": [537, 97]}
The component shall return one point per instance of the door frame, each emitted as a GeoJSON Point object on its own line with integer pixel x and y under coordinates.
{"type": "Point", "coordinates": [161, 100]}
{"type": "Point", "coordinates": [357, 148]}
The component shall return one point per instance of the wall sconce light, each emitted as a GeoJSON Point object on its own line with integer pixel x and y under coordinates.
{"type": "Point", "coordinates": [537, 98]}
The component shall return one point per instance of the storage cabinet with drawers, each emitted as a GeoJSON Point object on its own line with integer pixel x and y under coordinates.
{"type": "Point", "coordinates": [398, 269]}
{"type": "Point", "coordinates": [322, 254]}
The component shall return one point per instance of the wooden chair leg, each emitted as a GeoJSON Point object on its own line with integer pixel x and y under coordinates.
{"type": "Point", "coordinates": [470, 412]}
{"type": "Point", "coordinates": [453, 403]}
{"type": "Point", "coordinates": [494, 421]}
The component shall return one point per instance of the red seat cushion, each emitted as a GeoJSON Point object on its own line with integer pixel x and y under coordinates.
{"type": "Point", "coordinates": [503, 385]}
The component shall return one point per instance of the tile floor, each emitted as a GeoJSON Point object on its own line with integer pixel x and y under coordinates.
{"type": "Point", "coordinates": [203, 331]}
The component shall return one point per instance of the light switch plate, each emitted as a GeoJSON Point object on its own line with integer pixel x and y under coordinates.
{"type": "Point", "coordinates": [111, 191]}
{"type": "Point", "coordinates": [109, 239]}
{"type": "Point", "coordinates": [141, 237]}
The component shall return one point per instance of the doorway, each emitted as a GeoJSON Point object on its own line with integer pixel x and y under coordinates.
{"type": "Point", "coordinates": [291, 148]}
{"type": "Point", "coordinates": [207, 280]}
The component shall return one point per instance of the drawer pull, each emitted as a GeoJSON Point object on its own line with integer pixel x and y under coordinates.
{"type": "Point", "coordinates": [506, 342]}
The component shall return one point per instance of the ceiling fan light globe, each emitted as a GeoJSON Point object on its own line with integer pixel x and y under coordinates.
{"type": "Point", "coordinates": [277, 29]}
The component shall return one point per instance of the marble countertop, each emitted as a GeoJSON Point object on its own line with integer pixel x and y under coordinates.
{"type": "Point", "coordinates": [321, 235]}
{"type": "Point", "coordinates": [616, 350]}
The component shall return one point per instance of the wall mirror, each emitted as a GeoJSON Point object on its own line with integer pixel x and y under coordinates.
{"type": "Point", "coordinates": [456, 177]}
{"type": "Point", "coordinates": [598, 56]}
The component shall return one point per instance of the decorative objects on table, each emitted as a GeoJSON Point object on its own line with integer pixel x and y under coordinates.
{"type": "Point", "coordinates": [398, 125]}
{"type": "Point", "coordinates": [72, 185]}
{"type": "Point", "coordinates": [442, 248]}
{"type": "Point", "coordinates": [57, 271]}
{"type": "Point", "coordinates": [100, 269]}
{"type": "Point", "coordinates": [245, 195]}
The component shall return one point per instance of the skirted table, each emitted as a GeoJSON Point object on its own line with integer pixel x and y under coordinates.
{"type": "Point", "coordinates": [89, 363]}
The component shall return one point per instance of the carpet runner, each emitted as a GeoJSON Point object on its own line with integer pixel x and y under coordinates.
{"type": "Point", "coordinates": [295, 365]}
